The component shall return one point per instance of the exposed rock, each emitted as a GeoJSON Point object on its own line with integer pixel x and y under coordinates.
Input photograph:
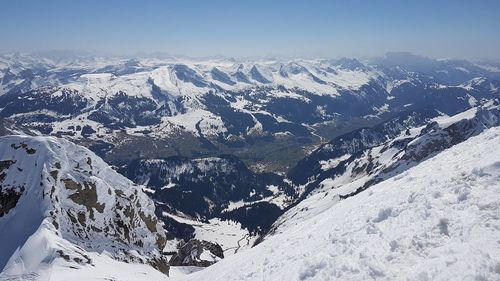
{"type": "Point", "coordinates": [8, 199]}
{"type": "Point", "coordinates": [73, 198]}
{"type": "Point", "coordinates": [197, 253]}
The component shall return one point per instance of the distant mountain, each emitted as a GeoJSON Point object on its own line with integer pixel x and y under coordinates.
{"type": "Point", "coordinates": [445, 71]}
{"type": "Point", "coordinates": [197, 108]}
{"type": "Point", "coordinates": [220, 155]}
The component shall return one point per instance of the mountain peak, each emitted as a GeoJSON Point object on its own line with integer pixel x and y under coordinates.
{"type": "Point", "coordinates": [63, 190]}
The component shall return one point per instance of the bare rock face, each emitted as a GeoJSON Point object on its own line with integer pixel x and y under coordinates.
{"type": "Point", "coordinates": [66, 189]}
{"type": "Point", "coordinates": [9, 195]}
{"type": "Point", "coordinates": [197, 253]}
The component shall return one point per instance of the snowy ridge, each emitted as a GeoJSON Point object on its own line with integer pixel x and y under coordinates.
{"type": "Point", "coordinates": [188, 77]}
{"type": "Point", "coordinates": [168, 125]}
{"type": "Point", "coordinates": [437, 221]}
{"type": "Point", "coordinates": [354, 172]}
{"type": "Point", "coordinates": [65, 204]}
{"type": "Point", "coordinates": [218, 103]}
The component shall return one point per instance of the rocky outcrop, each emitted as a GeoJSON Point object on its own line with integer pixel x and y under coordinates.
{"type": "Point", "coordinates": [58, 187]}
{"type": "Point", "coordinates": [8, 199]}
{"type": "Point", "coordinates": [197, 253]}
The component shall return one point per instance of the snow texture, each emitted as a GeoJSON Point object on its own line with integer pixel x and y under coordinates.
{"type": "Point", "coordinates": [67, 205]}
{"type": "Point", "coordinates": [437, 221]}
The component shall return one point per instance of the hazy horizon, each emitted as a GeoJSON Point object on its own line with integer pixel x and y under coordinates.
{"type": "Point", "coordinates": [327, 29]}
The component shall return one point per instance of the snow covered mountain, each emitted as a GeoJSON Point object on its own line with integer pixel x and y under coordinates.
{"type": "Point", "coordinates": [217, 199]}
{"type": "Point", "coordinates": [397, 133]}
{"type": "Point", "coordinates": [195, 196]}
{"type": "Point", "coordinates": [223, 154]}
{"type": "Point", "coordinates": [353, 163]}
{"type": "Point", "coordinates": [188, 107]}
{"type": "Point", "coordinates": [62, 208]}
{"type": "Point", "coordinates": [436, 221]}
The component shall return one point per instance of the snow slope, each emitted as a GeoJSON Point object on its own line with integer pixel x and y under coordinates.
{"type": "Point", "coordinates": [62, 205]}
{"type": "Point", "coordinates": [352, 163]}
{"type": "Point", "coordinates": [437, 221]}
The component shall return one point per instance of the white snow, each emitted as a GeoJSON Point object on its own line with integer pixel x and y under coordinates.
{"type": "Point", "coordinates": [209, 123]}
{"type": "Point", "coordinates": [445, 121]}
{"type": "Point", "coordinates": [228, 234]}
{"type": "Point", "coordinates": [48, 223]}
{"type": "Point", "coordinates": [38, 260]}
{"type": "Point", "coordinates": [330, 163]}
{"type": "Point", "coordinates": [395, 84]}
{"type": "Point", "coordinates": [437, 221]}
{"type": "Point", "coordinates": [463, 69]}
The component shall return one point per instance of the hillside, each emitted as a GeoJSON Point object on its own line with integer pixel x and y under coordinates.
{"type": "Point", "coordinates": [62, 208]}
{"type": "Point", "coordinates": [436, 221]}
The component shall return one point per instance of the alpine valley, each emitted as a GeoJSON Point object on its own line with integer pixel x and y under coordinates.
{"type": "Point", "coordinates": [156, 167]}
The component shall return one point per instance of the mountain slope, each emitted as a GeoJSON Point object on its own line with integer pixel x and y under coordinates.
{"type": "Point", "coordinates": [198, 108]}
{"type": "Point", "coordinates": [216, 198]}
{"type": "Point", "coordinates": [356, 161]}
{"type": "Point", "coordinates": [61, 205]}
{"type": "Point", "coordinates": [437, 221]}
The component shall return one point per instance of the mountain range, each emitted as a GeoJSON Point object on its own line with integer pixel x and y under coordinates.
{"type": "Point", "coordinates": [174, 164]}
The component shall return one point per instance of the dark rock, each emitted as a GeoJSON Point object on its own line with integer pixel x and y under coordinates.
{"type": "Point", "coordinates": [189, 253]}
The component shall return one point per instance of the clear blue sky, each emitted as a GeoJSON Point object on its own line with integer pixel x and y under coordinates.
{"type": "Point", "coordinates": [439, 28]}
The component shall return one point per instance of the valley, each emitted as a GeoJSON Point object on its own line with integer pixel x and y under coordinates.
{"type": "Point", "coordinates": [177, 164]}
